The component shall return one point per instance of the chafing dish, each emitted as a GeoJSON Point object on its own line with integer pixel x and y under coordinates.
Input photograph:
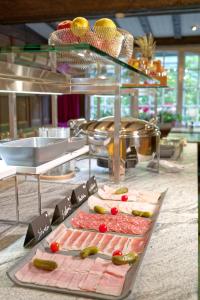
{"type": "Point", "coordinates": [139, 139]}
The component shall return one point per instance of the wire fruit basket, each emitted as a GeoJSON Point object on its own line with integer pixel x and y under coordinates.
{"type": "Point", "coordinates": [115, 42]}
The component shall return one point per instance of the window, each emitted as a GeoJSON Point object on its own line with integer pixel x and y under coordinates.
{"type": "Point", "coordinates": [103, 106]}
{"type": "Point", "coordinates": [153, 100]}
{"type": "Point", "coordinates": [191, 89]}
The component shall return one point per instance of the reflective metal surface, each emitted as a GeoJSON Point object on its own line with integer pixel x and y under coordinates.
{"type": "Point", "coordinates": [129, 127]}
{"type": "Point", "coordinates": [35, 151]}
{"type": "Point", "coordinates": [138, 140]}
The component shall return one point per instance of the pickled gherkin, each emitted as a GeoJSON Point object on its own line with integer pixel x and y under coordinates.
{"type": "Point", "coordinates": [129, 258]}
{"type": "Point", "coordinates": [122, 190]}
{"type": "Point", "coordinates": [99, 209]}
{"type": "Point", "coordinates": [48, 265]}
{"type": "Point", "coordinates": [145, 214]}
{"type": "Point", "coordinates": [89, 251]}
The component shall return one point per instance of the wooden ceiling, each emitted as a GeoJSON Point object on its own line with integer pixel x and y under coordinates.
{"type": "Point", "coordinates": [23, 11]}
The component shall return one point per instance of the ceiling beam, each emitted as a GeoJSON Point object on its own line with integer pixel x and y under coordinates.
{"type": "Point", "coordinates": [176, 21]}
{"type": "Point", "coordinates": [144, 22]}
{"type": "Point", "coordinates": [187, 40]}
{"type": "Point", "coordinates": [27, 11]}
{"type": "Point", "coordinates": [22, 33]}
{"type": "Point", "coordinates": [42, 29]}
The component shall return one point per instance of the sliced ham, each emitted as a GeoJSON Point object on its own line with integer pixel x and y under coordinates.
{"type": "Point", "coordinates": [96, 275]}
{"type": "Point", "coordinates": [65, 279]}
{"type": "Point", "coordinates": [86, 265]}
{"type": "Point", "coordinates": [65, 236]}
{"type": "Point", "coordinates": [74, 264]}
{"type": "Point", "coordinates": [122, 243]}
{"type": "Point", "coordinates": [125, 207]}
{"type": "Point", "coordinates": [89, 240]}
{"type": "Point", "coordinates": [76, 279]}
{"type": "Point", "coordinates": [110, 285]}
{"type": "Point", "coordinates": [137, 245]}
{"type": "Point", "coordinates": [100, 265]}
{"type": "Point", "coordinates": [105, 241]}
{"type": "Point", "coordinates": [58, 232]}
{"type": "Point", "coordinates": [97, 239]}
{"type": "Point", "coordinates": [117, 270]}
{"type": "Point", "coordinates": [79, 242]}
{"type": "Point", "coordinates": [20, 275]}
{"type": "Point", "coordinates": [72, 239]}
{"type": "Point", "coordinates": [90, 282]}
{"type": "Point", "coordinates": [54, 278]}
{"type": "Point", "coordinates": [108, 193]}
{"type": "Point", "coordinates": [112, 245]}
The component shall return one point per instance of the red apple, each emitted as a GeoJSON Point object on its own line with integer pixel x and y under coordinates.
{"type": "Point", "coordinates": [64, 25]}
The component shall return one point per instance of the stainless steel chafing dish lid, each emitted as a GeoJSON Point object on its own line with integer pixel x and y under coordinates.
{"type": "Point", "coordinates": [129, 127]}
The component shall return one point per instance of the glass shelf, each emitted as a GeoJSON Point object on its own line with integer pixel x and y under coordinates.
{"type": "Point", "coordinates": [73, 68]}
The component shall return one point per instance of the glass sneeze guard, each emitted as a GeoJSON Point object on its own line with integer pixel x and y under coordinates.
{"type": "Point", "coordinates": [70, 69]}
{"type": "Point", "coordinates": [73, 68]}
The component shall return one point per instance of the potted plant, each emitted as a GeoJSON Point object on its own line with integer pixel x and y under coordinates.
{"type": "Point", "coordinates": [167, 120]}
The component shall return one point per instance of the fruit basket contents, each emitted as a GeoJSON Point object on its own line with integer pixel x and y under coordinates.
{"type": "Point", "coordinates": [104, 35]}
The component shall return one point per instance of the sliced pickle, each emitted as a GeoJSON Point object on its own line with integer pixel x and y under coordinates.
{"type": "Point", "coordinates": [145, 214]}
{"type": "Point", "coordinates": [122, 190]}
{"type": "Point", "coordinates": [89, 251]}
{"type": "Point", "coordinates": [48, 265]}
{"type": "Point", "coordinates": [99, 209]}
{"type": "Point", "coordinates": [129, 258]}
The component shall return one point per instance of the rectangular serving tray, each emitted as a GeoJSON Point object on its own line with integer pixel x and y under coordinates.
{"type": "Point", "coordinates": [37, 150]}
{"type": "Point", "coordinates": [130, 277]}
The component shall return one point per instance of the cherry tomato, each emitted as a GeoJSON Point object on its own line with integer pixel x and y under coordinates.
{"type": "Point", "coordinates": [124, 197]}
{"type": "Point", "coordinates": [114, 210]}
{"type": "Point", "coordinates": [117, 253]}
{"type": "Point", "coordinates": [54, 246]}
{"type": "Point", "coordinates": [102, 228]}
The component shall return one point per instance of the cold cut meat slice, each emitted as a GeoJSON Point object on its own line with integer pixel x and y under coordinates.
{"type": "Point", "coordinates": [96, 275]}
{"type": "Point", "coordinates": [79, 242]}
{"type": "Point", "coordinates": [58, 232]}
{"type": "Point", "coordinates": [72, 239]}
{"type": "Point", "coordinates": [119, 223]}
{"type": "Point", "coordinates": [110, 284]}
{"type": "Point", "coordinates": [137, 245]}
{"type": "Point", "coordinates": [125, 207]}
{"type": "Point", "coordinates": [76, 279]}
{"type": "Point", "coordinates": [112, 245]}
{"type": "Point", "coordinates": [105, 241]}
{"type": "Point", "coordinates": [108, 193]}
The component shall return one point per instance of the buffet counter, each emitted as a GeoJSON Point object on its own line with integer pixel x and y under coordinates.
{"type": "Point", "coordinates": [169, 269]}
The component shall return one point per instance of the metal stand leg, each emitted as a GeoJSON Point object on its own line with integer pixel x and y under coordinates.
{"type": "Point", "coordinates": [89, 163]}
{"type": "Point", "coordinates": [117, 127]}
{"type": "Point", "coordinates": [14, 222]}
{"type": "Point", "coordinates": [158, 155]}
{"type": "Point", "coordinates": [39, 196]}
{"type": "Point", "coordinates": [17, 199]}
